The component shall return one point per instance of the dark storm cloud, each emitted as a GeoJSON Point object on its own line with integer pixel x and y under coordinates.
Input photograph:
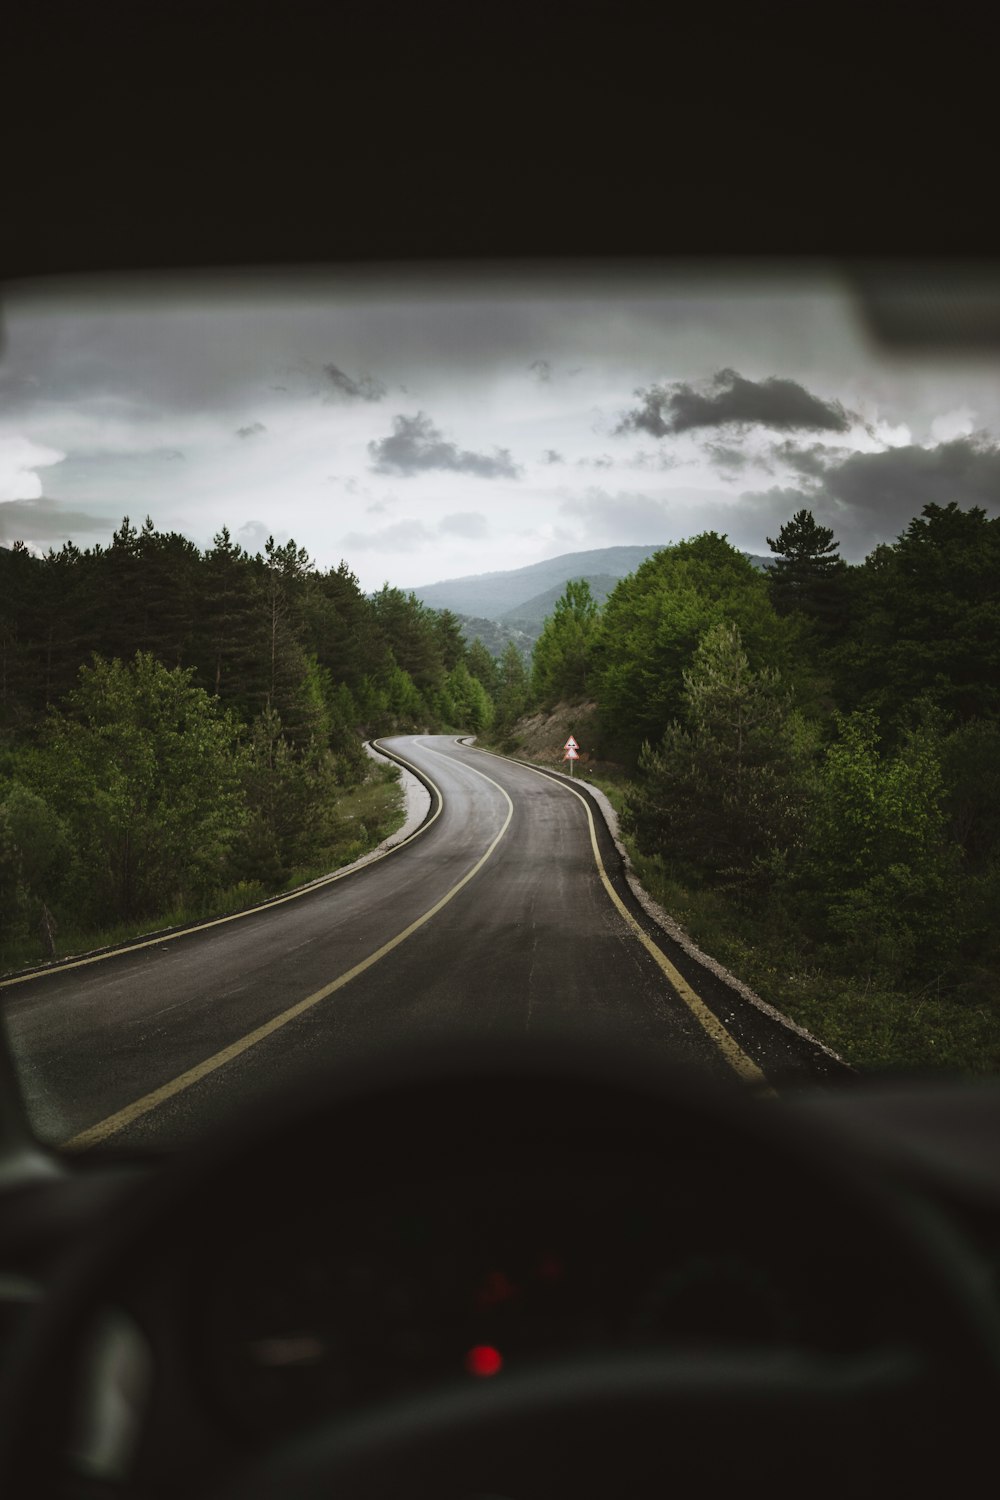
{"type": "Point", "coordinates": [732, 400]}
{"type": "Point", "coordinates": [541, 369]}
{"type": "Point", "coordinates": [812, 462]}
{"type": "Point", "coordinates": [44, 520]}
{"type": "Point", "coordinates": [343, 388]}
{"type": "Point", "coordinates": [251, 431]}
{"type": "Point", "coordinates": [901, 481]}
{"type": "Point", "coordinates": [870, 496]}
{"type": "Point", "coordinates": [550, 456]}
{"type": "Point", "coordinates": [730, 460]}
{"type": "Point", "coordinates": [415, 445]}
{"type": "Point", "coordinates": [768, 510]}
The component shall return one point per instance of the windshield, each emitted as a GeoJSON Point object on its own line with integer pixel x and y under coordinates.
{"type": "Point", "coordinates": [568, 651]}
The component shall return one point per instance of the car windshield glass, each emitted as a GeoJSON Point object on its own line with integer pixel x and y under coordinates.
{"type": "Point", "coordinates": [555, 651]}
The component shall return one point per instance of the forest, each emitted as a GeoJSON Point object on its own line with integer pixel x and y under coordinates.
{"type": "Point", "coordinates": [808, 768]}
{"type": "Point", "coordinates": [181, 731]}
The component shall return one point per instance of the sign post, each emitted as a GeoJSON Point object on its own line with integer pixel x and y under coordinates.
{"type": "Point", "coordinates": [572, 750]}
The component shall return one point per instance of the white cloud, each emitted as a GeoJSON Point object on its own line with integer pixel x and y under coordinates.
{"type": "Point", "coordinates": [900, 436]}
{"type": "Point", "coordinates": [19, 458]}
{"type": "Point", "coordinates": [959, 422]}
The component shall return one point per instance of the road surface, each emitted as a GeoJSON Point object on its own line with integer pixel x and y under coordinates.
{"type": "Point", "coordinates": [506, 911]}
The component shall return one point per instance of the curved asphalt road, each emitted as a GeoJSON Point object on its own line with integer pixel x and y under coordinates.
{"type": "Point", "coordinates": [494, 916]}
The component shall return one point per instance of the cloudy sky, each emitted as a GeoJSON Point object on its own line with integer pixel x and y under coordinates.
{"type": "Point", "coordinates": [427, 428]}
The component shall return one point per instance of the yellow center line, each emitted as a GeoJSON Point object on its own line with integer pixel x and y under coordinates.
{"type": "Point", "coordinates": [737, 1059]}
{"type": "Point", "coordinates": [139, 1107]}
{"type": "Point", "coordinates": [251, 911]}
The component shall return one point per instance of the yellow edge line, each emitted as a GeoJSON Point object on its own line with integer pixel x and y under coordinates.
{"type": "Point", "coordinates": [727, 1044]}
{"type": "Point", "coordinates": [151, 1101]}
{"type": "Point", "coordinates": [251, 911]}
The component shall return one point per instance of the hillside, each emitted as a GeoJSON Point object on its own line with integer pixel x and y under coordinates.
{"type": "Point", "coordinates": [516, 595]}
{"type": "Point", "coordinates": [496, 635]}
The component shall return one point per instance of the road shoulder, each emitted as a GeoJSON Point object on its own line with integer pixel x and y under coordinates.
{"type": "Point", "coordinates": [667, 925]}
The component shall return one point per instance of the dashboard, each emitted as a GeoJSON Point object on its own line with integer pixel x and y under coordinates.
{"type": "Point", "coordinates": [270, 1314]}
{"type": "Point", "coordinates": [281, 1321]}
{"type": "Point", "coordinates": [378, 1252]}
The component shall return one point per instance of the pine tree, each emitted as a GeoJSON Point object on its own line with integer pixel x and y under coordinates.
{"type": "Point", "coordinates": [512, 689]}
{"type": "Point", "coordinates": [21, 580]}
{"type": "Point", "coordinates": [169, 568]}
{"type": "Point", "coordinates": [228, 625]}
{"type": "Point", "coordinates": [724, 789]}
{"type": "Point", "coordinates": [926, 619]}
{"type": "Point", "coordinates": [484, 667]}
{"type": "Point", "coordinates": [808, 576]}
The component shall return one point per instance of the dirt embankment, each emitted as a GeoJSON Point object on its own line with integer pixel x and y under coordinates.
{"type": "Point", "coordinates": [541, 736]}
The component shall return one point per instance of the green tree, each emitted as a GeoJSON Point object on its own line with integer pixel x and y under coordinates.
{"type": "Point", "coordinates": [512, 689]}
{"type": "Point", "coordinates": [291, 801]}
{"type": "Point", "coordinates": [808, 576]}
{"type": "Point", "coordinates": [229, 649]}
{"type": "Point", "coordinates": [472, 706]}
{"type": "Point", "coordinates": [652, 624]}
{"type": "Point", "coordinates": [879, 875]}
{"type": "Point", "coordinates": [21, 581]}
{"type": "Point", "coordinates": [340, 626]}
{"type": "Point", "coordinates": [451, 642]}
{"type": "Point", "coordinates": [725, 790]}
{"type": "Point", "coordinates": [170, 569]}
{"type": "Point", "coordinates": [404, 698]}
{"type": "Point", "coordinates": [561, 660]}
{"type": "Point", "coordinates": [970, 766]}
{"type": "Point", "coordinates": [415, 643]}
{"type": "Point", "coordinates": [926, 620]}
{"type": "Point", "coordinates": [288, 690]}
{"type": "Point", "coordinates": [144, 768]}
{"type": "Point", "coordinates": [34, 854]}
{"type": "Point", "coordinates": [484, 667]}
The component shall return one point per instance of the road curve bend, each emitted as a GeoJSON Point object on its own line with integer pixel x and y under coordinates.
{"type": "Point", "coordinates": [507, 911]}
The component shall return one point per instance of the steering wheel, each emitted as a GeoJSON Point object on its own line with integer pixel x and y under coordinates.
{"type": "Point", "coordinates": [911, 1416]}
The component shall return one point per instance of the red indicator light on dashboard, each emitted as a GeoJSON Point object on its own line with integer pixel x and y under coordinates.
{"type": "Point", "coordinates": [483, 1359]}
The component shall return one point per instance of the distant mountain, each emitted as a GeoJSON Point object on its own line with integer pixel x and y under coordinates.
{"type": "Point", "coordinates": [519, 599]}
{"type": "Point", "coordinates": [531, 616]}
{"type": "Point", "coordinates": [493, 595]}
